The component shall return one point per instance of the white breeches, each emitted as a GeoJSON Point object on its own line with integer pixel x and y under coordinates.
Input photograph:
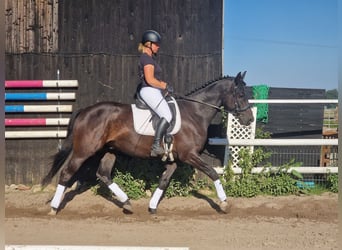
{"type": "Point", "coordinates": [155, 100]}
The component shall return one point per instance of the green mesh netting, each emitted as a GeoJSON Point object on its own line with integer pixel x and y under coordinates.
{"type": "Point", "coordinates": [261, 92]}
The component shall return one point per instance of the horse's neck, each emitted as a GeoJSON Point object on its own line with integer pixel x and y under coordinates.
{"type": "Point", "coordinates": [209, 100]}
{"type": "Point", "coordinates": [197, 113]}
{"type": "Point", "coordinates": [203, 107]}
{"type": "Point", "coordinates": [209, 95]}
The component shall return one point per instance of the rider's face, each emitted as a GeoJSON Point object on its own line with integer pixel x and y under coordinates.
{"type": "Point", "coordinates": [155, 47]}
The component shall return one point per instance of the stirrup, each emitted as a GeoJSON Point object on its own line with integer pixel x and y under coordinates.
{"type": "Point", "coordinates": [168, 144]}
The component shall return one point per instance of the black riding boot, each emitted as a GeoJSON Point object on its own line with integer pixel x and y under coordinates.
{"type": "Point", "coordinates": [160, 131]}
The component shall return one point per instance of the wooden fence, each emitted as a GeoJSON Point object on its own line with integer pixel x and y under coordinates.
{"type": "Point", "coordinates": [95, 42]}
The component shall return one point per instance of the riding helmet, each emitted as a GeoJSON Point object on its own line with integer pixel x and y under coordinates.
{"type": "Point", "coordinates": [151, 36]}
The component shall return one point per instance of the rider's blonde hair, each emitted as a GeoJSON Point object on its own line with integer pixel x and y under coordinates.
{"type": "Point", "coordinates": [142, 46]}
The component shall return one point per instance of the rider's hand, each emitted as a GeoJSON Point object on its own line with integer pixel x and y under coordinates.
{"type": "Point", "coordinates": [169, 89]}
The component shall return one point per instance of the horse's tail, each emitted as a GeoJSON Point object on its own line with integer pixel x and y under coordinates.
{"type": "Point", "coordinates": [61, 156]}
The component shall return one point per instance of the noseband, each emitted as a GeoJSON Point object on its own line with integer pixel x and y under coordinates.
{"type": "Point", "coordinates": [239, 110]}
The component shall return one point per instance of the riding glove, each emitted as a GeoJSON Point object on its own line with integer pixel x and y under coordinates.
{"type": "Point", "coordinates": [169, 89]}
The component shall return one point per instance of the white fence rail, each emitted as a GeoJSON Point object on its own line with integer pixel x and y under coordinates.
{"type": "Point", "coordinates": [273, 142]}
{"type": "Point", "coordinates": [279, 142]}
{"type": "Point", "coordinates": [294, 101]}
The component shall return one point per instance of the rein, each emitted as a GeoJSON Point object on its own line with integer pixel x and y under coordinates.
{"type": "Point", "coordinates": [198, 101]}
{"type": "Point", "coordinates": [237, 109]}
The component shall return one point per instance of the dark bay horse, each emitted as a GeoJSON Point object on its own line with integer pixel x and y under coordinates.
{"type": "Point", "coordinates": [107, 127]}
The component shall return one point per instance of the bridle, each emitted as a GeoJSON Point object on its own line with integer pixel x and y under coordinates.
{"type": "Point", "coordinates": [236, 111]}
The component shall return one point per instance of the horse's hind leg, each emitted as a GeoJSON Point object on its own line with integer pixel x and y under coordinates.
{"type": "Point", "coordinates": [104, 174]}
{"type": "Point", "coordinates": [72, 166]}
{"type": "Point", "coordinates": [163, 183]}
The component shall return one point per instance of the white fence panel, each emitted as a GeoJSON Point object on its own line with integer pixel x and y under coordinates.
{"type": "Point", "coordinates": [239, 136]}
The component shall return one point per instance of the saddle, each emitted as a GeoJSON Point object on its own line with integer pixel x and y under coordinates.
{"type": "Point", "coordinates": [145, 120]}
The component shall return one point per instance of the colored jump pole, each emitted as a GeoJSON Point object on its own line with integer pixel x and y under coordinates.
{"type": "Point", "coordinates": [36, 122]}
{"type": "Point", "coordinates": [41, 84]}
{"type": "Point", "coordinates": [23, 98]}
{"type": "Point", "coordinates": [38, 108]}
{"type": "Point", "coordinates": [39, 96]}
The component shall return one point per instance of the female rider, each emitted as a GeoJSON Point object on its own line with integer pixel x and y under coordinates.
{"type": "Point", "coordinates": [152, 86]}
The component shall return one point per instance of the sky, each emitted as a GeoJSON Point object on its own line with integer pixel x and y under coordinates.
{"type": "Point", "coordinates": [282, 43]}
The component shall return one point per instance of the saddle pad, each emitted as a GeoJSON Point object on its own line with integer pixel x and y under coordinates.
{"type": "Point", "coordinates": [143, 122]}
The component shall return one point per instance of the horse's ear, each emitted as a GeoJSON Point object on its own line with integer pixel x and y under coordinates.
{"type": "Point", "coordinates": [238, 76]}
{"type": "Point", "coordinates": [243, 74]}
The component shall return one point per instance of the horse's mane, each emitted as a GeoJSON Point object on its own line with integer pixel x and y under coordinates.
{"type": "Point", "coordinates": [207, 84]}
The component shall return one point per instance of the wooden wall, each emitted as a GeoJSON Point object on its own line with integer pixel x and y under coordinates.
{"type": "Point", "coordinates": [31, 26]}
{"type": "Point", "coordinates": [98, 39]}
{"type": "Point", "coordinates": [95, 42]}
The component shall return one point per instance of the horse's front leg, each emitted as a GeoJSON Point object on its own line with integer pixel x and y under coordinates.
{"type": "Point", "coordinates": [104, 174]}
{"type": "Point", "coordinates": [196, 161]}
{"type": "Point", "coordinates": [163, 183]}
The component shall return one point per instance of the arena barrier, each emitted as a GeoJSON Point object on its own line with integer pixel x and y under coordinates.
{"type": "Point", "coordinates": [237, 143]}
{"type": "Point", "coordinates": [23, 119]}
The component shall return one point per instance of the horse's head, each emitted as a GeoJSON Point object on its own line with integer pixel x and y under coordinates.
{"type": "Point", "coordinates": [237, 102]}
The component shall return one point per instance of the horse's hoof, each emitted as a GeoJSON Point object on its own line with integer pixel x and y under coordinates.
{"type": "Point", "coordinates": [152, 210]}
{"type": "Point", "coordinates": [53, 212]}
{"type": "Point", "coordinates": [224, 206]}
{"type": "Point", "coordinates": [127, 207]}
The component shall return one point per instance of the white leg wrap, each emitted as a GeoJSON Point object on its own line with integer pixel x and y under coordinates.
{"type": "Point", "coordinates": [219, 189]}
{"type": "Point", "coordinates": [56, 201]}
{"type": "Point", "coordinates": [155, 198]}
{"type": "Point", "coordinates": [121, 195]}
